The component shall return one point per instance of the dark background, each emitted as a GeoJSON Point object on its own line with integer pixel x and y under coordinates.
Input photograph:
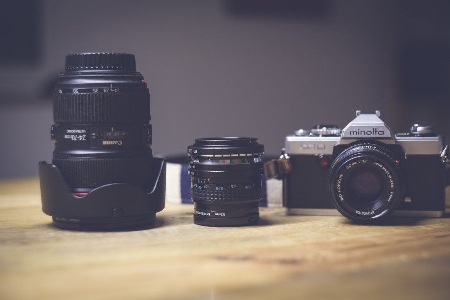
{"type": "Point", "coordinates": [261, 68]}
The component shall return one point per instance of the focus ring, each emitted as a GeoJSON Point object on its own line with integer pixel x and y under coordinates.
{"type": "Point", "coordinates": [95, 172]}
{"type": "Point", "coordinates": [103, 61]}
{"type": "Point", "coordinates": [101, 107]}
{"type": "Point", "coordinates": [372, 148]}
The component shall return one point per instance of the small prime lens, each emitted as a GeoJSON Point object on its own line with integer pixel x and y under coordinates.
{"type": "Point", "coordinates": [366, 181]}
{"type": "Point", "coordinates": [226, 180]}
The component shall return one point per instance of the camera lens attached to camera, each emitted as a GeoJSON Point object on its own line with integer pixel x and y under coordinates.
{"type": "Point", "coordinates": [366, 181]}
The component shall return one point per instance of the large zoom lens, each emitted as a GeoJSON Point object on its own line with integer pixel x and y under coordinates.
{"type": "Point", "coordinates": [102, 133]}
{"type": "Point", "coordinates": [366, 181]}
{"type": "Point", "coordinates": [226, 180]}
{"type": "Point", "coordinates": [102, 150]}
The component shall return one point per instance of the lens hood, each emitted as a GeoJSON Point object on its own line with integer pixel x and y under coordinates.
{"type": "Point", "coordinates": [115, 206]}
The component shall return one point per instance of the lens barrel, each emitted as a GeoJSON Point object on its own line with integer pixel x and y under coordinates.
{"type": "Point", "coordinates": [103, 175]}
{"type": "Point", "coordinates": [366, 181]}
{"type": "Point", "coordinates": [102, 133]}
{"type": "Point", "coordinates": [226, 184]}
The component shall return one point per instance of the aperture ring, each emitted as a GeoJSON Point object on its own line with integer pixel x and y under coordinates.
{"type": "Point", "coordinates": [241, 175]}
{"type": "Point", "coordinates": [226, 195]}
{"type": "Point", "coordinates": [101, 107]}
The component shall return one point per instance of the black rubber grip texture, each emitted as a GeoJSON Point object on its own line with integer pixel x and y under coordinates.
{"type": "Point", "coordinates": [226, 146]}
{"type": "Point", "coordinates": [101, 107]}
{"type": "Point", "coordinates": [101, 61]}
{"type": "Point", "coordinates": [227, 195]}
{"type": "Point", "coordinates": [95, 172]}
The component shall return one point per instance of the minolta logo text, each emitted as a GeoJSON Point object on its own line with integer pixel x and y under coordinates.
{"type": "Point", "coordinates": [366, 132]}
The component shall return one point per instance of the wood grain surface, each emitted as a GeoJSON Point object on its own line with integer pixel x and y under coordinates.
{"type": "Point", "coordinates": [284, 257]}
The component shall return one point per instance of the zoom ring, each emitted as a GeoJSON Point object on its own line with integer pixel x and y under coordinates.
{"type": "Point", "coordinates": [226, 195]}
{"type": "Point", "coordinates": [101, 107]}
{"type": "Point", "coordinates": [95, 172]}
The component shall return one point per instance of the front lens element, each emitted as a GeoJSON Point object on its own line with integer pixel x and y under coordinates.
{"type": "Point", "coordinates": [365, 184]}
{"type": "Point", "coordinates": [226, 180]}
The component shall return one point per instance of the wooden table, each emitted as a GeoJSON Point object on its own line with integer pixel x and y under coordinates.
{"type": "Point", "coordinates": [284, 257]}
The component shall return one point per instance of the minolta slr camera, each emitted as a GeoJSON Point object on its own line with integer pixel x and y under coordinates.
{"type": "Point", "coordinates": [363, 170]}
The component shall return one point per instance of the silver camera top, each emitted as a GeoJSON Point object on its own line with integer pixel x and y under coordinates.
{"type": "Point", "coordinates": [322, 138]}
{"type": "Point", "coordinates": [366, 126]}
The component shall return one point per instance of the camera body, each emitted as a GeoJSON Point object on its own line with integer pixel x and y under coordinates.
{"type": "Point", "coordinates": [381, 173]}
